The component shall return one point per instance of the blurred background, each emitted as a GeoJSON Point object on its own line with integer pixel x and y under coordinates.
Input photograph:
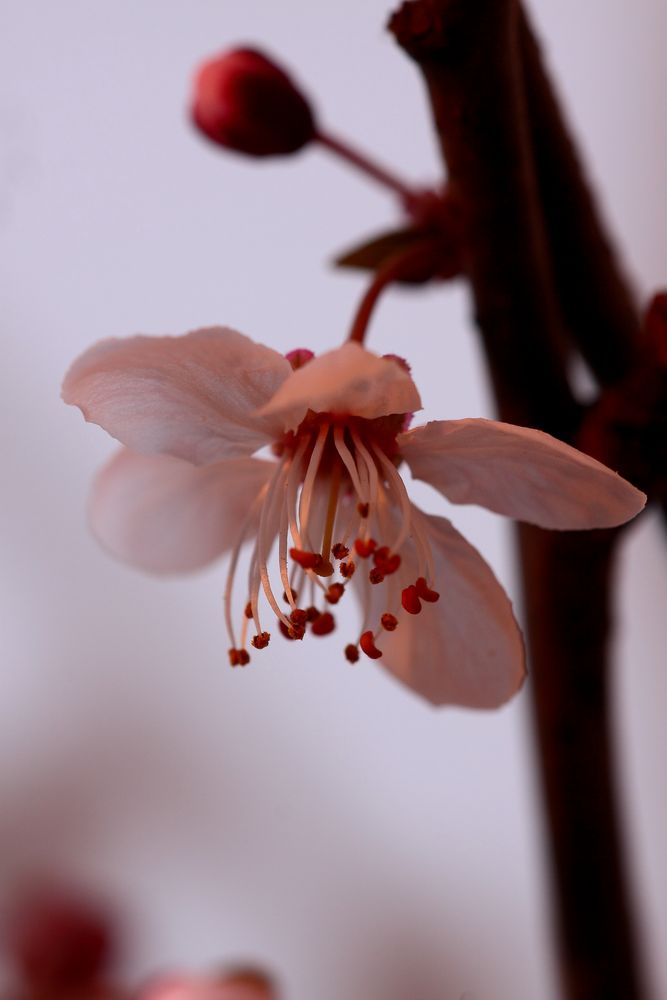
{"type": "Point", "coordinates": [302, 813]}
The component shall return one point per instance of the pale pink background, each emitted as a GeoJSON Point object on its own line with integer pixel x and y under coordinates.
{"type": "Point", "coordinates": [301, 812]}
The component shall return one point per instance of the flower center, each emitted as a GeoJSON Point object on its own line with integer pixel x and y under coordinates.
{"type": "Point", "coordinates": [339, 509]}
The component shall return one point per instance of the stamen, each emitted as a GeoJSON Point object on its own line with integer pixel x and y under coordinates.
{"type": "Point", "coordinates": [424, 552]}
{"type": "Point", "coordinates": [261, 641]}
{"type": "Point", "coordinates": [351, 653]}
{"type": "Point", "coordinates": [399, 489]}
{"type": "Point", "coordinates": [371, 467]}
{"type": "Point", "coordinates": [233, 562]}
{"type": "Point", "coordinates": [385, 562]}
{"type": "Point", "coordinates": [368, 646]}
{"type": "Point", "coordinates": [362, 510]}
{"type": "Point", "coordinates": [348, 461]}
{"type": "Point", "coordinates": [339, 551]}
{"type": "Point", "coordinates": [323, 624]}
{"type": "Point", "coordinates": [347, 569]}
{"type": "Point", "coordinates": [334, 593]}
{"type": "Point", "coordinates": [283, 531]}
{"type": "Point", "coordinates": [389, 622]}
{"type": "Point", "coordinates": [264, 544]}
{"type": "Point", "coordinates": [365, 548]}
{"type": "Point", "coordinates": [376, 575]}
{"type": "Point", "coordinates": [331, 515]}
{"type": "Point", "coordinates": [307, 560]}
{"type": "Point", "coordinates": [410, 600]}
{"type": "Point", "coordinates": [426, 594]}
{"type": "Point", "coordinates": [292, 490]}
{"type": "Point", "coordinates": [306, 500]}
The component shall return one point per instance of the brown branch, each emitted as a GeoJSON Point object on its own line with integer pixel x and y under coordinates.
{"type": "Point", "coordinates": [594, 297]}
{"type": "Point", "coordinates": [469, 52]}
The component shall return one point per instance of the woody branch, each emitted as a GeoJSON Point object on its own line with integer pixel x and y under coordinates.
{"type": "Point", "coordinates": [546, 285]}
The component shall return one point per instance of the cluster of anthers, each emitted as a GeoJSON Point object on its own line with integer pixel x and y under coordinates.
{"type": "Point", "coordinates": [329, 502]}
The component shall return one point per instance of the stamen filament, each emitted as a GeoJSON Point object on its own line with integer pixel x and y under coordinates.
{"type": "Point", "coordinates": [233, 562]}
{"type": "Point", "coordinates": [348, 460]}
{"type": "Point", "coordinates": [306, 499]}
{"type": "Point", "coordinates": [399, 489]}
{"type": "Point", "coordinates": [331, 512]}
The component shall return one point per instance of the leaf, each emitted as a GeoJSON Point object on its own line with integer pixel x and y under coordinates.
{"type": "Point", "coordinates": [440, 258]}
{"type": "Point", "coordinates": [375, 252]}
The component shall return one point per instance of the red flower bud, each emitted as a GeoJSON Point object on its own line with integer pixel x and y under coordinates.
{"type": "Point", "coordinates": [243, 101]}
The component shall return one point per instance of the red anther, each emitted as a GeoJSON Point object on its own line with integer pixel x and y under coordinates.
{"type": "Point", "coordinates": [243, 101]}
{"type": "Point", "coordinates": [295, 596]}
{"type": "Point", "coordinates": [376, 575]}
{"type": "Point", "coordinates": [362, 509]}
{"type": "Point", "coordinates": [296, 631]}
{"type": "Point", "coordinates": [323, 624]}
{"type": "Point", "coordinates": [298, 616]}
{"type": "Point", "coordinates": [431, 596]}
{"type": "Point", "coordinates": [347, 569]}
{"type": "Point", "coordinates": [339, 551]}
{"type": "Point", "coordinates": [388, 622]}
{"type": "Point", "coordinates": [260, 641]}
{"type": "Point", "coordinates": [233, 657]}
{"type": "Point", "coordinates": [365, 548]}
{"type": "Point", "coordinates": [244, 657]}
{"type": "Point", "coordinates": [324, 567]}
{"type": "Point", "coordinates": [386, 562]}
{"type": "Point", "coordinates": [334, 593]}
{"type": "Point", "coordinates": [368, 646]}
{"type": "Point", "coordinates": [248, 610]}
{"type": "Point", "coordinates": [299, 357]}
{"type": "Point", "coordinates": [351, 653]}
{"type": "Point", "coordinates": [312, 612]}
{"type": "Point", "coordinates": [284, 630]}
{"type": "Point", "coordinates": [307, 560]}
{"type": "Point", "coordinates": [410, 600]}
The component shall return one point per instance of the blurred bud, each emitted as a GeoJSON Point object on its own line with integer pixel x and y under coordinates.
{"type": "Point", "coordinates": [243, 101]}
{"type": "Point", "coordinates": [58, 943]}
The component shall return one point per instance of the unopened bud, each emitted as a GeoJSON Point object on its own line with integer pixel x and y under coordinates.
{"type": "Point", "coordinates": [243, 101]}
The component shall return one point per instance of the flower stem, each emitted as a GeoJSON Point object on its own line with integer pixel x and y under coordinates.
{"type": "Point", "coordinates": [520, 189]}
{"type": "Point", "coordinates": [409, 196]}
{"type": "Point", "coordinates": [399, 265]}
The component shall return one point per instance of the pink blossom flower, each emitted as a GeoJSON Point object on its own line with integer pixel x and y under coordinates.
{"type": "Point", "coordinates": [192, 411]}
{"type": "Point", "coordinates": [243, 985]}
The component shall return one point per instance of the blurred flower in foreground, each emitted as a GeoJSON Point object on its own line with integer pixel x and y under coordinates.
{"type": "Point", "coordinates": [244, 985]}
{"type": "Point", "coordinates": [244, 101]}
{"type": "Point", "coordinates": [191, 412]}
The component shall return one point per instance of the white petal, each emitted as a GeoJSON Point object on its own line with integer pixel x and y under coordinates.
{"type": "Point", "coordinates": [167, 516]}
{"type": "Point", "coordinates": [195, 396]}
{"type": "Point", "coordinates": [349, 380]}
{"type": "Point", "coordinates": [519, 472]}
{"type": "Point", "coordinates": [467, 648]}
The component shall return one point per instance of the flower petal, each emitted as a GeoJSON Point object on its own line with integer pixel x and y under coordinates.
{"type": "Point", "coordinates": [167, 516]}
{"type": "Point", "coordinates": [198, 988]}
{"type": "Point", "coordinates": [195, 396]}
{"type": "Point", "coordinates": [467, 648]}
{"type": "Point", "coordinates": [348, 380]}
{"type": "Point", "coordinates": [519, 472]}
